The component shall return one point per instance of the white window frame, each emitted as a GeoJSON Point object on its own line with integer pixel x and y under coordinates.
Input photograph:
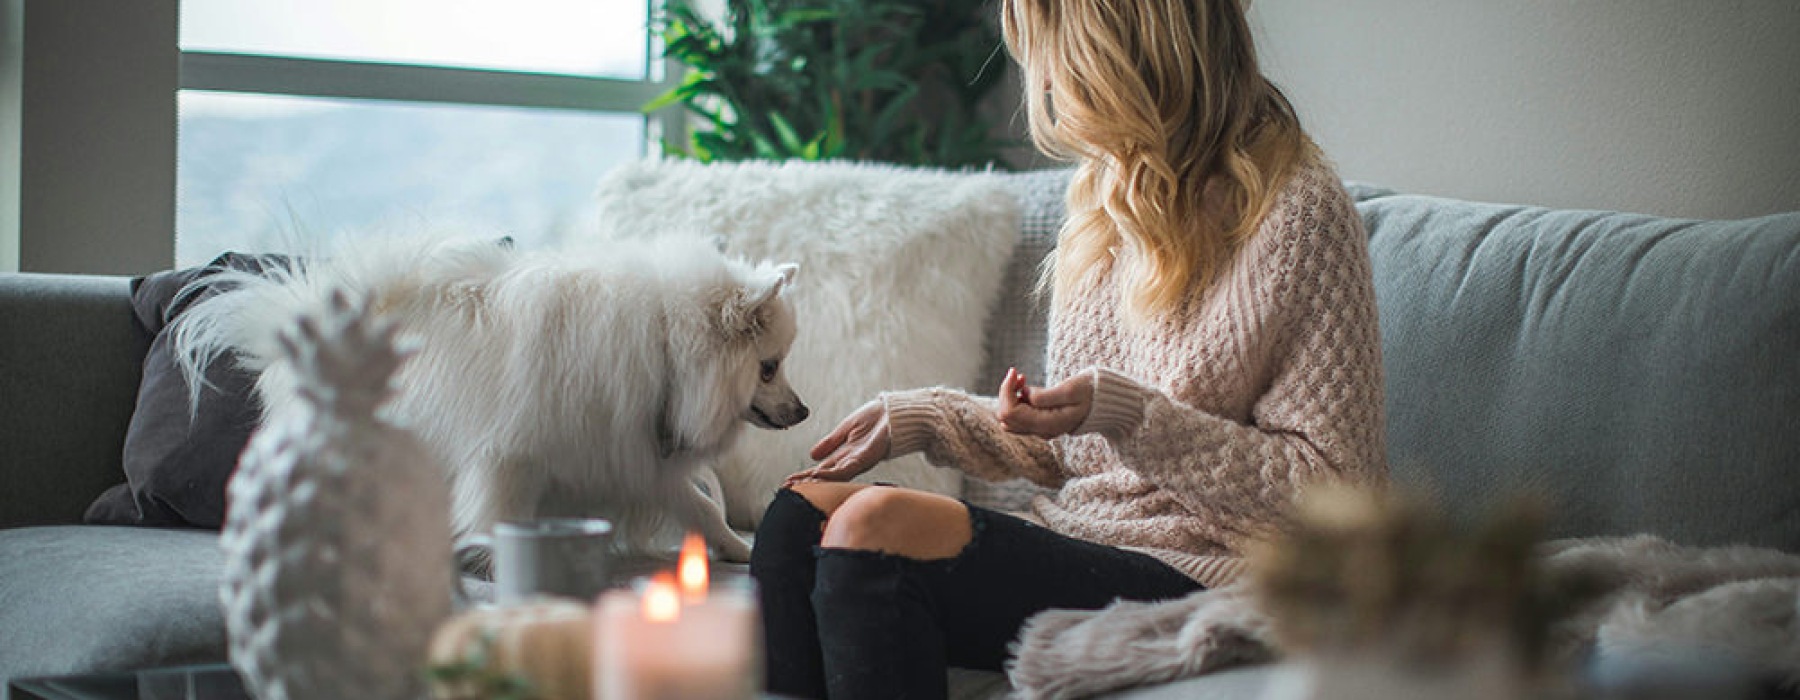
{"type": "Point", "coordinates": [88, 123]}
{"type": "Point", "coordinates": [230, 72]}
{"type": "Point", "coordinates": [368, 80]}
{"type": "Point", "coordinates": [306, 77]}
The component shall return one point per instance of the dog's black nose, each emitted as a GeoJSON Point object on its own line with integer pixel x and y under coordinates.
{"type": "Point", "coordinates": [800, 415]}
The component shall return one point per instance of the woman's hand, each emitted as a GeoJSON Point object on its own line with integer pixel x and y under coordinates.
{"type": "Point", "coordinates": [1047, 412]}
{"type": "Point", "coordinates": [855, 446]}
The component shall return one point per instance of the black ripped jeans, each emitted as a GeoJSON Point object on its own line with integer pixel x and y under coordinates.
{"type": "Point", "coordinates": [853, 624]}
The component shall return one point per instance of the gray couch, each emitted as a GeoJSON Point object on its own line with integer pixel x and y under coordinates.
{"type": "Point", "coordinates": [1642, 372]}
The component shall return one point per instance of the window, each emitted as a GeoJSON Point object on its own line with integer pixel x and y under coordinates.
{"type": "Point", "coordinates": [304, 120]}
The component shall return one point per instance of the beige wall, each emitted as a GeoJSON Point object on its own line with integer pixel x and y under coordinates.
{"type": "Point", "coordinates": [1672, 107]}
{"type": "Point", "coordinates": [97, 136]}
{"type": "Point", "coordinates": [12, 52]}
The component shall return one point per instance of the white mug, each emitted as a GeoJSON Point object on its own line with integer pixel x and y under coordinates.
{"type": "Point", "coordinates": [565, 557]}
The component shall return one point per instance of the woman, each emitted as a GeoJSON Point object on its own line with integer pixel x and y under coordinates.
{"type": "Point", "coordinates": [1213, 352]}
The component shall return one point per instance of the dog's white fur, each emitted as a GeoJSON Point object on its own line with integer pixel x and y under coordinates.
{"type": "Point", "coordinates": [547, 383]}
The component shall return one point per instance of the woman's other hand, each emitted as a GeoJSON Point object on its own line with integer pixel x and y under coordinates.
{"type": "Point", "coordinates": [1045, 412]}
{"type": "Point", "coordinates": [859, 443]}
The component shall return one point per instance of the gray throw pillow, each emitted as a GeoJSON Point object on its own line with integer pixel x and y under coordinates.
{"type": "Point", "coordinates": [177, 462]}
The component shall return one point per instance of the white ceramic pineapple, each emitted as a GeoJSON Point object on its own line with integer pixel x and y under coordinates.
{"type": "Point", "coordinates": [337, 548]}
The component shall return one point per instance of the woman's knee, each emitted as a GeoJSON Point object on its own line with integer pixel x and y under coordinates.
{"type": "Point", "coordinates": [826, 496]}
{"type": "Point", "coordinates": [913, 524]}
{"type": "Point", "coordinates": [795, 519]}
{"type": "Point", "coordinates": [789, 523]}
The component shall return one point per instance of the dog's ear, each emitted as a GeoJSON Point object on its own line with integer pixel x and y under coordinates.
{"type": "Point", "coordinates": [745, 312]}
{"type": "Point", "coordinates": [774, 279]}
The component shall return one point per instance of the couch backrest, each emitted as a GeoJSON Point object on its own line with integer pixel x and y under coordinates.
{"type": "Point", "coordinates": [1641, 373]}
{"type": "Point", "coordinates": [1015, 328]}
{"type": "Point", "coordinates": [70, 357]}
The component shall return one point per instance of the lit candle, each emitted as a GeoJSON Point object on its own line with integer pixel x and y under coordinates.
{"type": "Point", "coordinates": [692, 570]}
{"type": "Point", "coordinates": [677, 638]}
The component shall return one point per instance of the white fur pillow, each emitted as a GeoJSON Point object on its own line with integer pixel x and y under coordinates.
{"type": "Point", "coordinates": [899, 268]}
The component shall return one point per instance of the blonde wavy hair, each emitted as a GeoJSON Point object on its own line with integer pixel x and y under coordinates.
{"type": "Point", "coordinates": [1162, 105]}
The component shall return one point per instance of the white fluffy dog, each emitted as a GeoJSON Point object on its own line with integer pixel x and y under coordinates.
{"type": "Point", "coordinates": [548, 383]}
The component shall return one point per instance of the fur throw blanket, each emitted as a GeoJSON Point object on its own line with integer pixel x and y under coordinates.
{"type": "Point", "coordinates": [1657, 599]}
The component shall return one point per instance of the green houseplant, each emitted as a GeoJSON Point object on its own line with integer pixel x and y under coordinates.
{"type": "Point", "coordinates": [898, 81]}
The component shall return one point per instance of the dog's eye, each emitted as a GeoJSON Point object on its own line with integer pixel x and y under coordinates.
{"type": "Point", "coordinates": [768, 370]}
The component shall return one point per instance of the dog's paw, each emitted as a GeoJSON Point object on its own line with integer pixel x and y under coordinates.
{"type": "Point", "coordinates": [732, 548]}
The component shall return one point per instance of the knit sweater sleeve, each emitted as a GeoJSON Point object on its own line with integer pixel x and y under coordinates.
{"type": "Point", "coordinates": [1321, 415]}
{"type": "Point", "coordinates": [957, 430]}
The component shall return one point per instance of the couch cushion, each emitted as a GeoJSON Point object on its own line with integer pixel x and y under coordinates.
{"type": "Point", "coordinates": [177, 459]}
{"type": "Point", "coordinates": [68, 368]}
{"type": "Point", "coordinates": [1241, 683]}
{"type": "Point", "coordinates": [1015, 332]}
{"type": "Point", "coordinates": [78, 599]}
{"type": "Point", "coordinates": [1643, 373]}
{"type": "Point", "coordinates": [1237, 683]}
{"type": "Point", "coordinates": [1230, 684]}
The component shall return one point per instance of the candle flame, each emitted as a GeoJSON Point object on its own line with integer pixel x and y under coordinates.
{"type": "Point", "coordinates": [661, 602]}
{"type": "Point", "coordinates": [693, 568]}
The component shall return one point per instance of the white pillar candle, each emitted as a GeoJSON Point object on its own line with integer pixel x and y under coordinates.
{"type": "Point", "coordinates": [663, 641]}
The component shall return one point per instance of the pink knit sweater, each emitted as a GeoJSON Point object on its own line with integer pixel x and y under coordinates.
{"type": "Point", "coordinates": [1204, 426]}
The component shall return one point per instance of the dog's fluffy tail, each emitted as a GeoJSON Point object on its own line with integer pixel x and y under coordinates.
{"type": "Point", "coordinates": [240, 319]}
{"type": "Point", "coordinates": [247, 311]}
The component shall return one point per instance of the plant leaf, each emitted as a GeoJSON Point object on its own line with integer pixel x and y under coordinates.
{"type": "Point", "coordinates": [790, 139]}
{"type": "Point", "coordinates": [763, 148]}
{"type": "Point", "coordinates": [888, 80]}
{"type": "Point", "coordinates": [794, 18]}
{"type": "Point", "coordinates": [890, 115]}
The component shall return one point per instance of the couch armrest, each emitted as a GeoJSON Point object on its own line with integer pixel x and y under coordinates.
{"type": "Point", "coordinates": [71, 354]}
